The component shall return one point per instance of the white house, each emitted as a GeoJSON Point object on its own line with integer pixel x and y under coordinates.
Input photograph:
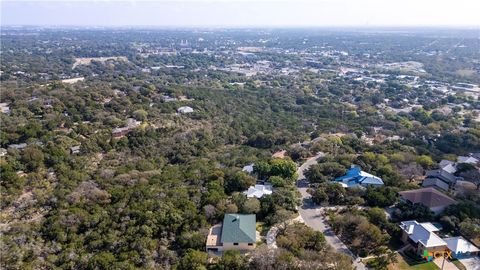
{"type": "Point", "coordinates": [4, 108]}
{"type": "Point", "coordinates": [422, 237]}
{"type": "Point", "coordinates": [248, 168]}
{"type": "Point", "coordinates": [460, 247]}
{"type": "Point", "coordinates": [185, 109]}
{"type": "Point", "coordinates": [448, 166]}
{"type": "Point", "coordinates": [470, 160]}
{"type": "Point", "coordinates": [258, 191]}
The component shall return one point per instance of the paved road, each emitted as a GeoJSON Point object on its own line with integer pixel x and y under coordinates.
{"type": "Point", "coordinates": [312, 214]}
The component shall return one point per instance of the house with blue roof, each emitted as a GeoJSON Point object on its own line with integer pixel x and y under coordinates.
{"type": "Point", "coordinates": [356, 177]}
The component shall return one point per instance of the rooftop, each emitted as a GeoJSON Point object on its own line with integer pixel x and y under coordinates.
{"type": "Point", "coordinates": [442, 175]}
{"type": "Point", "coordinates": [422, 233]}
{"type": "Point", "coordinates": [258, 191]}
{"type": "Point", "coordinates": [459, 244]}
{"type": "Point", "coordinates": [239, 229]}
{"type": "Point", "coordinates": [429, 197]}
{"type": "Point", "coordinates": [355, 176]}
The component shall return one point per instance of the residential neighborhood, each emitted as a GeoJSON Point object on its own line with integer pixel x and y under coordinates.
{"type": "Point", "coordinates": [152, 135]}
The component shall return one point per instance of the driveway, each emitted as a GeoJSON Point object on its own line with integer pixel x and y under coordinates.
{"type": "Point", "coordinates": [472, 263]}
{"type": "Point", "coordinates": [447, 265]}
{"type": "Point", "coordinates": [312, 214]}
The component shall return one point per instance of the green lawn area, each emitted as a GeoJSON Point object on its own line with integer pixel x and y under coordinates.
{"type": "Point", "coordinates": [458, 264]}
{"type": "Point", "coordinates": [402, 264]}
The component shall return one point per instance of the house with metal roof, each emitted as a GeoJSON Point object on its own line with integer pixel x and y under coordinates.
{"type": "Point", "coordinates": [422, 237]}
{"type": "Point", "coordinates": [433, 178]}
{"type": "Point", "coordinates": [185, 109]}
{"type": "Point", "coordinates": [258, 191]}
{"type": "Point", "coordinates": [248, 168]}
{"type": "Point", "coordinates": [356, 177]}
{"type": "Point", "coordinates": [460, 247]}
{"type": "Point", "coordinates": [236, 232]}
{"type": "Point", "coordinates": [468, 159]}
{"type": "Point", "coordinates": [448, 166]}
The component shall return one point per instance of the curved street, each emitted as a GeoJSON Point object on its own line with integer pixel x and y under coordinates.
{"type": "Point", "coordinates": [312, 214]}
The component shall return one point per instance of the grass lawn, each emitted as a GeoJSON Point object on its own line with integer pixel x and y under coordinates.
{"type": "Point", "coordinates": [458, 264]}
{"type": "Point", "coordinates": [402, 264]}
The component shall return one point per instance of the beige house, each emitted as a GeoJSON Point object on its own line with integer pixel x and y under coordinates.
{"type": "Point", "coordinates": [422, 238]}
{"type": "Point", "coordinates": [236, 232]}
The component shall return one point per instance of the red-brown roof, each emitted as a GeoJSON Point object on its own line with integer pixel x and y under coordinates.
{"type": "Point", "coordinates": [429, 197]}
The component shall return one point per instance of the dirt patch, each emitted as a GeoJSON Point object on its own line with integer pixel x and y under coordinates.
{"type": "Point", "coordinates": [88, 60]}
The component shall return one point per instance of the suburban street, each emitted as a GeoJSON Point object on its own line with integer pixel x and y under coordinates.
{"type": "Point", "coordinates": [312, 214]}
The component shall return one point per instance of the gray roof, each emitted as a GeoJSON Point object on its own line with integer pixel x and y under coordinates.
{"type": "Point", "coordinates": [239, 229]}
{"type": "Point", "coordinates": [442, 175]}
{"type": "Point", "coordinates": [445, 162]}
{"type": "Point", "coordinates": [435, 182]}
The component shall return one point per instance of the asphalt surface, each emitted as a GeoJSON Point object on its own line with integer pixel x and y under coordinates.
{"type": "Point", "coordinates": [312, 214]}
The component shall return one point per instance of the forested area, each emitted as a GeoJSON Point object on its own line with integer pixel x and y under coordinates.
{"type": "Point", "coordinates": [146, 200]}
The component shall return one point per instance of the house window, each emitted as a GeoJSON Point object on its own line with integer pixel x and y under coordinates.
{"type": "Point", "coordinates": [250, 244]}
{"type": "Point", "coordinates": [235, 244]}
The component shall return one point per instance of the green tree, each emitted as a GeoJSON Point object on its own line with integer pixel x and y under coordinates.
{"type": "Point", "coordinates": [239, 181]}
{"type": "Point", "coordinates": [33, 158]}
{"type": "Point", "coordinates": [232, 260]}
{"type": "Point", "coordinates": [251, 206]}
{"type": "Point", "coordinates": [470, 228]}
{"type": "Point", "coordinates": [102, 260]}
{"type": "Point", "coordinates": [278, 181]}
{"type": "Point", "coordinates": [140, 115]}
{"type": "Point", "coordinates": [193, 259]}
{"type": "Point", "coordinates": [425, 161]}
{"type": "Point", "coordinates": [284, 168]}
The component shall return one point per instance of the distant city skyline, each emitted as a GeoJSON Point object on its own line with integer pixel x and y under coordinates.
{"type": "Point", "coordinates": [243, 13]}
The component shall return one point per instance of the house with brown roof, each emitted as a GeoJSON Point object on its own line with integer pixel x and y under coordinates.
{"type": "Point", "coordinates": [435, 200]}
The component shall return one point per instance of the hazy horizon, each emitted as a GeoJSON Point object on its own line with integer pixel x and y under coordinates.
{"type": "Point", "coordinates": [243, 13]}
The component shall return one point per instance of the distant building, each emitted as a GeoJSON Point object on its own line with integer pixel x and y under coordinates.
{"type": "Point", "coordinates": [468, 159]}
{"type": "Point", "coordinates": [258, 191]}
{"type": "Point", "coordinates": [448, 166]}
{"type": "Point", "coordinates": [436, 183]}
{"type": "Point", "coordinates": [460, 247]}
{"type": "Point", "coordinates": [356, 177]}
{"type": "Point", "coordinates": [19, 146]}
{"type": "Point", "coordinates": [73, 80]}
{"type": "Point", "coordinates": [4, 108]}
{"type": "Point", "coordinates": [131, 124]}
{"type": "Point", "coordinates": [185, 109]}
{"type": "Point", "coordinates": [236, 232]}
{"type": "Point", "coordinates": [120, 132]}
{"type": "Point", "coordinates": [248, 168]}
{"type": "Point", "coordinates": [166, 98]}
{"type": "Point", "coordinates": [422, 237]}
{"type": "Point", "coordinates": [75, 149]}
{"type": "Point", "coordinates": [432, 177]}
{"type": "Point", "coordinates": [435, 200]}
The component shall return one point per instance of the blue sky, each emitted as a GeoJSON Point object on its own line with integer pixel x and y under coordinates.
{"type": "Point", "coordinates": [223, 13]}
